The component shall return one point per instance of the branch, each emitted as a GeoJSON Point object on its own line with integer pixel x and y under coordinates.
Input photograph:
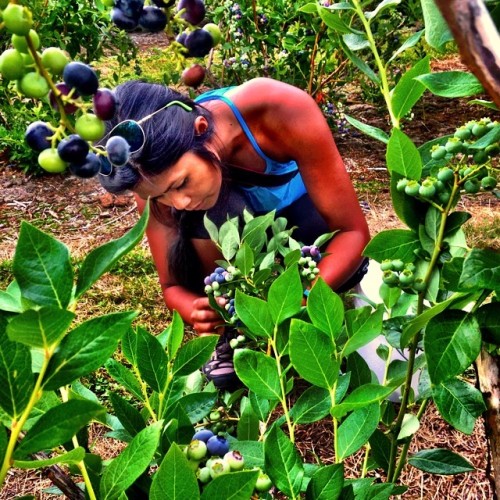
{"type": "Point", "coordinates": [477, 39]}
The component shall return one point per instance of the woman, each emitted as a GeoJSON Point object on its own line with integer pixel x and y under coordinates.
{"type": "Point", "coordinates": [263, 145]}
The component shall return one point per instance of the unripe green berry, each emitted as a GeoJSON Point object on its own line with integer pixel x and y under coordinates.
{"type": "Point", "coordinates": [445, 174]}
{"type": "Point", "coordinates": [454, 145]}
{"type": "Point", "coordinates": [427, 189]}
{"type": "Point", "coordinates": [390, 278]}
{"type": "Point", "coordinates": [401, 184]}
{"type": "Point", "coordinates": [203, 475]}
{"type": "Point", "coordinates": [235, 460]}
{"type": "Point", "coordinates": [263, 483]}
{"type": "Point", "coordinates": [398, 265]}
{"type": "Point", "coordinates": [463, 133]}
{"type": "Point", "coordinates": [438, 152]}
{"type": "Point", "coordinates": [386, 265]}
{"type": "Point", "coordinates": [197, 450]}
{"type": "Point", "coordinates": [488, 183]}
{"type": "Point", "coordinates": [215, 415]}
{"type": "Point", "coordinates": [406, 278]}
{"type": "Point", "coordinates": [481, 157]}
{"type": "Point", "coordinates": [412, 188]}
{"type": "Point", "coordinates": [241, 338]}
{"type": "Point", "coordinates": [219, 467]}
{"type": "Point", "coordinates": [233, 343]}
{"type": "Point", "coordinates": [472, 186]}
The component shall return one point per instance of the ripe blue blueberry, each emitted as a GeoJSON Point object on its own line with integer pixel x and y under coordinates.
{"type": "Point", "coordinates": [203, 435]}
{"type": "Point", "coordinates": [218, 445]}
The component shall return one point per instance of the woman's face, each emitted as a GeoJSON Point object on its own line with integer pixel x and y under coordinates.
{"type": "Point", "coordinates": [192, 183]}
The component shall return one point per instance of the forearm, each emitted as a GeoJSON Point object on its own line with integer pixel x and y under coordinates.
{"type": "Point", "coordinates": [345, 256]}
{"type": "Point", "coordinates": [181, 300]}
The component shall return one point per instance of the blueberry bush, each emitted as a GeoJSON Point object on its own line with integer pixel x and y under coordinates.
{"type": "Point", "coordinates": [438, 298]}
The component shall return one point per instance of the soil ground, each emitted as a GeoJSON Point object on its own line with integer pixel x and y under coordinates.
{"type": "Point", "coordinates": [82, 215]}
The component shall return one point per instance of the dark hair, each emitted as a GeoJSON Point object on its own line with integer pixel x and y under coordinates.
{"type": "Point", "coordinates": [169, 133]}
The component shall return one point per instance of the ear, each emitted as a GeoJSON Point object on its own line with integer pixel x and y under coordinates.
{"type": "Point", "coordinates": [200, 125]}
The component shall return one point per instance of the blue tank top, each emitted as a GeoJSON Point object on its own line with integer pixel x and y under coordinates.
{"type": "Point", "coordinates": [260, 198]}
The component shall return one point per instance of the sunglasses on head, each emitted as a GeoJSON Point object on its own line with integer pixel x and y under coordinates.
{"type": "Point", "coordinates": [133, 133]}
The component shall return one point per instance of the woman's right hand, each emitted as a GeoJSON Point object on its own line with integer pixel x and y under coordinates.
{"type": "Point", "coordinates": [204, 318]}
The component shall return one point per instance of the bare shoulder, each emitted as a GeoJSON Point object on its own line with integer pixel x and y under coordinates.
{"type": "Point", "coordinates": [266, 92]}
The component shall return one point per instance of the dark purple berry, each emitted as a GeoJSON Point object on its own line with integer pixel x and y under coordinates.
{"type": "Point", "coordinates": [73, 149]}
{"type": "Point", "coordinates": [153, 19]}
{"type": "Point", "coordinates": [131, 8]}
{"type": "Point", "coordinates": [64, 89]}
{"type": "Point", "coordinates": [90, 167]}
{"type": "Point", "coordinates": [122, 21]}
{"type": "Point", "coordinates": [38, 136]}
{"type": "Point", "coordinates": [199, 42]}
{"type": "Point", "coordinates": [118, 150]}
{"type": "Point", "coordinates": [105, 104]}
{"type": "Point", "coordinates": [195, 11]}
{"type": "Point", "coordinates": [82, 77]}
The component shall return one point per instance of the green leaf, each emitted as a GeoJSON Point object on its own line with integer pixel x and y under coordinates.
{"type": "Point", "coordinates": [360, 64]}
{"type": "Point", "coordinates": [440, 461]}
{"type": "Point", "coordinates": [128, 416]}
{"type": "Point", "coordinates": [452, 84]}
{"type": "Point", "coordinates": [211, 228]}
{"type": "Point", "coordinates": [245, 259]}
{"type": "Point", "coordinates": [408, 91]}
{"type": "Point", "coordinates": [42, 268]}
{"type": "Point", "coordinates": [356, 429]}
{"type": "Point", "coordinates": [235, 486]}
{"type": "Point", "coordinates": [363, 325]}
{"type": "Point", "coordinates": [283, 463]}
{"type": "Point", "coordinates": [313, 404]}
{"type": "Point", "coordinates": [248, 423]}
{"type": "Point", "coordinates": [356, 41]}
{"type": "Point", "coordinates": [101, 259]}
{"type": "Point", "coordinates": [486, 140]}
{"type": "Point", "coordinates": [402, 156]}
{"type": "Point", "coordinates": [193, 354]}
{"type": "Point", "coordinates": [325, 308]}
{"type": "Point", "coordinates": [488, 318]}
{"type": "Point", "coordinates": [481, 270]}
{"type": "Point", "coordinates": [86, 348]}
{"type": "Point", "coordinates": [254, 232]}
{"type": "Point", "coordinates": [131, 463]}
{"type": "Point", "coordinates": [361, 397]}
{"type": "Point", "coordinates": [333, 21]}
{"type": "Point", "coordinates": [255, 314]}
{"type": "Point", "coordinates": [174, 335]}
{"type": "Point", "coordinates": [285, 295]}
{"type": "Point", "coordinates": [380, 446]}
{"type": "Point", "coordinates": [16, 378]}
{"type": "Point", "coordinates": [326, 483]}
{"type": "Point", "coordinates": [381, 7]}
{"type": "Point", "coordinates": [309, 8]}
{"type": "Point", "coordinates": [4, 441]}
{"type": "Point", "coordinates": [412, 327]}
{"type": "Point", "coordinates": [58, 425]}
{"type": "Point", "coordinates": [40, 328]}
{"type": "Point", "coordinates": [313, 354]}
{"type": "Point", "coordinates": [10, 303]}
{"type": "Point", "coordinates": [258, 372]}
{"type": "Point", "coordinates": [74, 456]}
{"type": "Point", "coordinates": [452, 341]}
{"type": "Point", "coordinates": [253, 451]}
{"type": "Point", "coordinates": [459, 403]}
{"type": "Point", "coordinates": [455, 221]}
{"type": "Point", "coordinates": [369, 130]}
{"type": "Point", "coordinates": [393, 244]}
{"type": "Point", "coordinates": [437, 32]}
{"type": "Point", "coordinates": [152, 360]}
{"type": "Point", "coordinates": [410, 426]}
{"type": "Point", "coordinates": [198, 405]}
{"type": "Point", "coordinates": [485, 104]}
{"type": "Point", "coordinates": [174, 479]}
{"type": "Point", "coordinates": [410, 42]}
{"type": "Point", "coordinates": [229, 239]}
{"type": "Point", "coordinates": [124, 377]}
{"type": "Point", "coordinates": [407, 208]}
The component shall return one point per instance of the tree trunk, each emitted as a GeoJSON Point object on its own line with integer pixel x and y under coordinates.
{"type": "Point", "coordinates": [488, 369]}
{"type": "Point", "coordinates": [477, 39]}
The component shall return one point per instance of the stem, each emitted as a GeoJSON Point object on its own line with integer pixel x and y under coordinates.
{"type": "Point", "coordinates": [313, 57]}
{"type": "Point", "coordinates": [384, 84]}
{"type": "Point", "coordinates": [81, 465]}
{"type": "Point", "coordinates": [284, 404]}
{"type": "Point", "coordinates": [17, 426]}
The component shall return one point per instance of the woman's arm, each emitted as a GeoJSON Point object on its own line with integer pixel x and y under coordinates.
{"type": "Point", "coordinates": [193, 308]}
{"type": "Point", "coordinates": [293, 127]}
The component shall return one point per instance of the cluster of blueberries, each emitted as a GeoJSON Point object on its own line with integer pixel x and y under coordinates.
{"type": "Point", "coordinates": [131, 14]}
{"type": "Point", "coordinates": [210, 457]}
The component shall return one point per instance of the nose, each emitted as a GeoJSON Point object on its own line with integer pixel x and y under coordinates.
{"type": "Point", "coordinates": [179, 201]}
